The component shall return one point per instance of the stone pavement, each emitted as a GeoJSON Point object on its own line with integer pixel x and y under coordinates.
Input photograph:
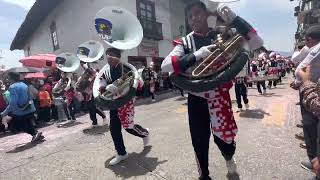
{"type": "Point", "coordinates": [266, 147]}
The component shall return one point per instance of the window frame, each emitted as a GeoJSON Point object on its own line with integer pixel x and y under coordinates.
{"type": "Point", "coordinates": [54, 36]}
{"type": "Point", "coordinates": [153, 9]}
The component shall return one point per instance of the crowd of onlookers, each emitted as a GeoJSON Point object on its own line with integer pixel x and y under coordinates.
{"type": "Point", "coordinates": [51, 107]}
{"type": "Point", "coordinates": [307, 76]}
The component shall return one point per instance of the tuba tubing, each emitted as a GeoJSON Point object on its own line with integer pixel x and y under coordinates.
{"type": "Point", "coordinates": [119, 102]}
{"type": "Point", "coordinates": [209, 83]}
{"type": "Point", "coordinates": [59, 88]}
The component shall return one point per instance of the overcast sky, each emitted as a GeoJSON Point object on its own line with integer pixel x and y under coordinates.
{"type": "Point", "coordinates": [273, 20]}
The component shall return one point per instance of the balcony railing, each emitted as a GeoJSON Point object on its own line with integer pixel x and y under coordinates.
{"type": "Point", "coordinates": [151, 29]}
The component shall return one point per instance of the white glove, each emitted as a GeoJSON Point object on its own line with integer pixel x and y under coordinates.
{"type": "Point", "coordinates": [112, 88]}
{"type": "Point", "coordinates": [226, 14]}
{"type": "Point", "coordinates": [203, 52]}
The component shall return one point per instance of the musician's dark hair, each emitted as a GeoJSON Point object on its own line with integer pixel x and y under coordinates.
{"type": "Point", "coordinates": [196, 3]}
{"type": "Point", "coordinates": [115, 51]}
{"type": "Point", "coordinates": [14, 76]}
{"type": "Point", "coordinates": [314, 32]}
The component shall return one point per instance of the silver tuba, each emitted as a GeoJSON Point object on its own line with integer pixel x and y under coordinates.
{"type": "Point", "coordinates": [88, 52]}
{"type": "Point", "coordinates": [67, 63]}
{"type": "Point", "coordinates": [121, 29]}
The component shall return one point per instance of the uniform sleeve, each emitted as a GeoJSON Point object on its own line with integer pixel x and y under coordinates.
{"type": "Point", "coordinates": [310, 93]}
{"type": "Point", "coordinates": [177, 61]}
{"type": "Point", "coordinates": [246, 30]}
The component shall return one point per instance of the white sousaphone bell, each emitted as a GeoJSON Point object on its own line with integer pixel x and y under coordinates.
{"type": "Point", "coordinates": [88, 52]}
{"type": "Point", "coordinates": [66, 62]}
{"type": "Point", "coordinates": [120, 29]}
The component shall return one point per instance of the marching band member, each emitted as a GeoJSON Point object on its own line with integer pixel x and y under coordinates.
{"type": "Point", "coordinates": [124, 115]}
{"type": "Point", "coordinates": [241, 88]}
{"type": "Point", "coordinates": [272, 69]}
{"type": "Point", "coordinates": [88, 97]}
{"type": "Point", "coordinates": [213, 107]}
{"type": "Point", "coordinates": [68, 96]}
{"type": "Point", "coordinates": [261, 71]}
{"type": "Point", "coordinates": [280, 67]}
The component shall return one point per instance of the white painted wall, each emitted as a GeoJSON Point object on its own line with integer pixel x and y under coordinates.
{"type": "Point", "coordinates": [75, 24]}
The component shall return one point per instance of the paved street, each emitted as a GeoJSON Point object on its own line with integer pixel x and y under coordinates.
{"type": "Point", "coordinates": [266, 147]}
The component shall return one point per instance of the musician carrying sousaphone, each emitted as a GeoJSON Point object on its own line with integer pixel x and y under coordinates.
{"type": "Point", "coordinates": [209, 110]}
{"type": "Point", "coordinates": [116, 83]}
{"type": "Point", "coordinates": [67, 63]}
{"type": "Point", "coordinates": [88, 53]}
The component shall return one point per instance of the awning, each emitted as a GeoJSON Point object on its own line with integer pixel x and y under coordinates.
{"type": "Point", "coordinates": [39, 61]}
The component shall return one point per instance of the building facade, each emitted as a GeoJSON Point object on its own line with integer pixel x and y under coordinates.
{"type": "Point", "coordinates": [69, 23]}
{"type": "Point", "coordinates": [308, 14]}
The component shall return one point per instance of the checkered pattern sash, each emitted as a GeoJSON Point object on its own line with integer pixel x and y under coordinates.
{"type": "Point", "coordinates": [223, 124]}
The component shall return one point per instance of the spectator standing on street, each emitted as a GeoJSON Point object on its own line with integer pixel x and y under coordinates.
{"type": "Point", "coordinates": [309, 120]}
{"type": "Point", "coordinates": [310, 93]}
{"type": "Point", "coordinates": [3, 105]}
{"type": "Point", "coordinates": [34, 94]}
{"type": "Point", "coordinates": [45, 103]}
{"type": "Point", "coordinates": [21, 108]}
{"type": "Point", "coordinates": [48, 86]}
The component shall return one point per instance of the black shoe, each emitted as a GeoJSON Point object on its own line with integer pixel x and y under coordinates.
{"type": "Point", "coordinates": [234, 176]}
{"type": "Point", "coordinates": [300, 136]}
{"type": "Point", "coordinates": [306, 165]}
{"type": "Point", "coordinates": [300, 125]}
{"type": "Point", "coordinates": [205, 178]}
{"type": "Point", "coordinates": [37, 137]}
{"type": "Point", "coordinates": [303, 145]}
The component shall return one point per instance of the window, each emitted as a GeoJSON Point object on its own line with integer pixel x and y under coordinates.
{"type": "Point", "coordinates": [308, 6]}
{"type": "Point", "coordinates": [146, 13]}
{"type": "Point", "coordinates": [54, 36]}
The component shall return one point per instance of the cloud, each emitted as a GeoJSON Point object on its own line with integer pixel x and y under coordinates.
{"type": "Point", "coordinates": [10, 58]}
{"type": "Point", "coordinates": [25, 4]}
{"type": "Point", "coordinates": [8, 28]}
{"type": "Point", "coordinates": [273, 19]}
{"type": "Point", "coordinates": [263, 5]}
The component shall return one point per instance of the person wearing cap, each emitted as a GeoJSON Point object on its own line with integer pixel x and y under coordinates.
{"type": "Point", "coordinates": [123, 116]}
{"type": "Point", "coordinates": [309, 120]}
{"type": "Point", "coordinates": [209, 111]}
{"type": "Point", "coordinates": [21, 108]}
